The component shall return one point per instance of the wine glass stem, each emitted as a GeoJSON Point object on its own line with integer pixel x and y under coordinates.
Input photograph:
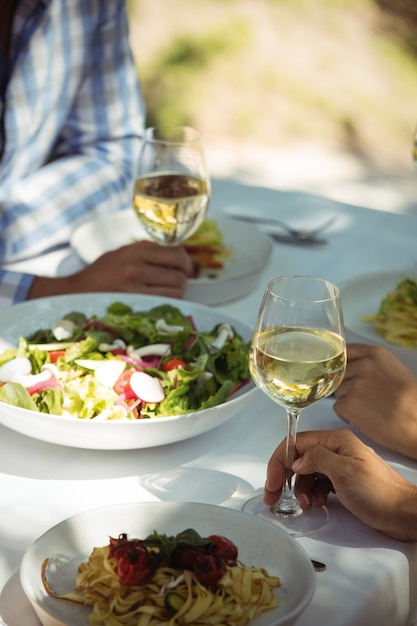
{"type": "Point", "coordinates": [288, 504]}
{"type": "Point", "coordinates": [288, 487]}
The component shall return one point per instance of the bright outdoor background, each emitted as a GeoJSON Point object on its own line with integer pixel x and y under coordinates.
{"type": "Point", "coordinates": [318, 94]}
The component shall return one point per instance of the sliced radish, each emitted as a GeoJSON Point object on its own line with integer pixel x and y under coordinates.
{"type": "Point", "coordinates": [29, 380]}
{"type": "Point", "coordinates": [18, 366]}
{"type": "Point", "coordinates": [146, 387]}
{"type": "Point", "coordinates": [51, 367]}
{"type": "Point", "coordinates": [108, 372]}
{"type": "Point", "coordinates": [51, 383]}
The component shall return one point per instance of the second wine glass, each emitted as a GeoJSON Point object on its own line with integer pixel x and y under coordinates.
{"type": "Point", "coordinates": [172, 187]}
{"type": "Point", "coordinates": [297, 357]}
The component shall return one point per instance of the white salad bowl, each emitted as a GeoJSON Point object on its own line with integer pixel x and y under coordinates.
{"type": "Point", "coordinates": [24, 319]}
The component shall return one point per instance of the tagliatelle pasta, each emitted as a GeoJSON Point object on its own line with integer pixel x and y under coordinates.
{"type": "Point", "coordinates": [172, 596]}
{"type": "Point", "coordinates": [396, 319]}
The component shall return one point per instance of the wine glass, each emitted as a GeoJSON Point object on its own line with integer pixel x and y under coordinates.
{"type": "Point", "coordinates": [297, 357]}
{"type": "Point", "coordinates": [172, 186]}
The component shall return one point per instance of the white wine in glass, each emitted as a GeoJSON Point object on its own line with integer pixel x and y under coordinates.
{"type": "Point", "coordinates": [172, 187]}
{"type": "Point", "coordinates": [297, 357]}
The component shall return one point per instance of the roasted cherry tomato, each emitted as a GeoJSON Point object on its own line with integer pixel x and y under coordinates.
{"type": "Point", "coordinates": [173, 364]}
{"type": "Point", "coordinates": [208, 569]}
{"type": "Point", "coordinates": [135, 565]}
{"type": "Point", "coordinates": [136, 568]}
{"type": "Point", "coordinates": [224, 549]}
{"type": "Point", "coordinates": [120, 546]}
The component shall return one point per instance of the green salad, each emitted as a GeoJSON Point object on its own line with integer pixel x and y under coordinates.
{"type": "Point", "coordinates": [124, 365]}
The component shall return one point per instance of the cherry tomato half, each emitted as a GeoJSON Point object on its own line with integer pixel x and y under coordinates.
{"type": "Point", "coordinates": [54, 355]}
{"type": "Point", "coordinates": [120, 547]}
{"type": "Point", "coordinates": [135, 565]}
{"type": "Point", "coordinates": [173, 364]}
{"type": "Point", "coordinates": [122, 384]}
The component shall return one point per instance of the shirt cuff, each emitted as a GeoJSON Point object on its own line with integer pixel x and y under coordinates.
{"type": "Point", "coordinates": [14, 287]}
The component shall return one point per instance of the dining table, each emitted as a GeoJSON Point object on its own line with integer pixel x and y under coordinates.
{"type": "Point", "coordinates": [370, 579]}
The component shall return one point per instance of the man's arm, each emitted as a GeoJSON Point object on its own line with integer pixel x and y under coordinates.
{"type": "Point", "coordinates": [91, 161]}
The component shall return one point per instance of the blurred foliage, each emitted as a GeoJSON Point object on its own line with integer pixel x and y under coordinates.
{"type": "Point", "coordinates": [404, 21]}
{"type": "Point", "coordinates": [171, 83]}
{"type": "Point", "coordinates": [342, 71]}
{"type": "Point", "coordinates": [405, 9]}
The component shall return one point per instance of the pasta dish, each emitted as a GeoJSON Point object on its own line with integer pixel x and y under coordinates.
{"type": "Point", "coordinates": [396, 319]}
{"type": "Point", "coordinates": [166, 580]}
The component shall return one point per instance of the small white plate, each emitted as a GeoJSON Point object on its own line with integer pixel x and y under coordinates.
{"type": "Point", "coordinates": [25, 318]}
{"type": "Point", "coordinates": [259, 543]}
{"type": "Point", "coordinates": [251, 251]}
{"type": "Point", "coordinates": [363, 295]}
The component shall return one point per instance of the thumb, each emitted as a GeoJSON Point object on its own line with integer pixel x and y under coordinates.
{"type": "Point", "coordinates": [316, 460]}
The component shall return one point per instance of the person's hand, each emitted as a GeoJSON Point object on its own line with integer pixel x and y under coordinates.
{"type": "Point", "coordinates": [142, 267]}
{"type": "Point", "coordinates": [336, 460]}
{"type": "Point", "coordinates": [378, 396]}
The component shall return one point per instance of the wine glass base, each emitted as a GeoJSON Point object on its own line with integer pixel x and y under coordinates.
{"type": "Point", "coordinates": [308, 523]}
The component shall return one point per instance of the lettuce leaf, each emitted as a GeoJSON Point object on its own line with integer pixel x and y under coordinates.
{"type": "Point", "coordinates": [16, 394]}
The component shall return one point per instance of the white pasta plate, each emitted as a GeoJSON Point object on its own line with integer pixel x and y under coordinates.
{"type": "Point", "coordinates": [260, 544]}
{"type": "Point", "coordinates": [250, 253]}
{"type": "Point", "coordinates": [25, 318]}
{"type": "Point", "coordinates": [363, 295]}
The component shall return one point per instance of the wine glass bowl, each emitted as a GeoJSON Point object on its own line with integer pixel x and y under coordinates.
{"type": "Point", "coordinates": [172, 186]}
{"type": "Point", "coordinates": [297, 357]}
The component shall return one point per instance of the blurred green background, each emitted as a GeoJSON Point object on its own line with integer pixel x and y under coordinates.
{"type": "Point", "coordinates": [277, 72]}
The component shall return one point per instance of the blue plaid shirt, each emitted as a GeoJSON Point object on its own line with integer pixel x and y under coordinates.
{"type": "Point", "coordinates": [73, 117]}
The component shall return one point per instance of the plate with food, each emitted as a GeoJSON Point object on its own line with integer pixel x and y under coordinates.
{"type": "Point", "coordinates": [167, 563]}
{"type": "Point", "coordinates": [229, 256]}
{"type": "Point", "coordinates": [120, 371]}
{"type": "Point", "coordinates": [382, 307]}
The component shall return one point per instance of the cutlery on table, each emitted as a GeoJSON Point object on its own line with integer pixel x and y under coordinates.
{"type": "Point", "coordinates": [290, 235]}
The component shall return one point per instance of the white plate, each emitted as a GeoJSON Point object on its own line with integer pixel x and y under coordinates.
{"type": "Point", "coordinates": [260, 544]}
{"type": "Point", "coordinates": [363, 295]}
{"type": "Point", "coordinates": [251, 251]}
{"type": "Point", "coordinates": [23, 319]}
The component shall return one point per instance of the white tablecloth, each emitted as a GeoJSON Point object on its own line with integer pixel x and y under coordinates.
{"type": "Point", "coordinates": [369, 580]}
